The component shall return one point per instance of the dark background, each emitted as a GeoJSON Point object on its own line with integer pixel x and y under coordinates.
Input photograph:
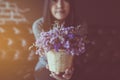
{"type": "Point", "coordinates": [102, 58]}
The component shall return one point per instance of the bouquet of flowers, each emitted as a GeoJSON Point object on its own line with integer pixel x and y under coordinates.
{"type": "Point", "coordinates": [60, 44]}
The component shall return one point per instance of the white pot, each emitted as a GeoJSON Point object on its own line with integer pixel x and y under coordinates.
{"type": "Point", "coordinates": [59, 61]}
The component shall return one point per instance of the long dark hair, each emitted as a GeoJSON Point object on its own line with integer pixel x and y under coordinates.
{"type": "Point", "coordinates": [71, 20]}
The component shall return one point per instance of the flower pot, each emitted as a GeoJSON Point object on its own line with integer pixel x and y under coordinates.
{"type": "Point", "coordinates": [59, 61]}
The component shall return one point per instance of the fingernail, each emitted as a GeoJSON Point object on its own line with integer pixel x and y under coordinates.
{"type": "Point", "coordinates": [57, 73]}
{"type": "Point", "coordinates": [50, 75]}
{"type": "Point", "coordinates": [63, 76]}
{"type": "Point", "coordinates": [66, 71]}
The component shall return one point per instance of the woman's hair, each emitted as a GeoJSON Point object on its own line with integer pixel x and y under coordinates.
{"type": "Point", "coordinates": [71, 19]}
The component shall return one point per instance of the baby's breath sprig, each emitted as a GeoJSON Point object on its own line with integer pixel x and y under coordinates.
{"type": "Point", "coordinates": [32, 46]}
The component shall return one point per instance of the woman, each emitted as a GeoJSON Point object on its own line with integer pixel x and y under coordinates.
{"type": "Point", "coordinates": [61, 11]}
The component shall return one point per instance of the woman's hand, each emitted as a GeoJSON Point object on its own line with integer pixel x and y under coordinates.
{"type": "Point", "coordinates": [66, 76]}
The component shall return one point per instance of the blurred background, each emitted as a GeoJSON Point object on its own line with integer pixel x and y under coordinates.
{"type": "Point", "coordinates": [101, 60]}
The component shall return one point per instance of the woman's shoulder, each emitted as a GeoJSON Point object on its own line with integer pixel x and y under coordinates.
{"type": "Point", "coordinates": [38, 21]}
{"type": "Point", "coordinates": [38, 24]}
{"type": "Point", "coordinates": [37, 27]}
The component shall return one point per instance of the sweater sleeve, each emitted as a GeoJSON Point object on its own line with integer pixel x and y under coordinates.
{"type": "Point", "coordinates": [37, 27]}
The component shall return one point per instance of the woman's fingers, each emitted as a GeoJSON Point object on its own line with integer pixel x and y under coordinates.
{"type": "Point", "coordinates": [69, 70]}
{"type": "Point", "coordinates": [68, 73]}
{"type": "Point", "coordinates": [57, 73]}
{"type": "Point", "coordinates": [56, 76]}
{"type": "Point", "coordinates": [66, 76]}
{"type": "Point", "coordinates": [51, 75]}
{"type": "Point", "coordinates": [47, 67]}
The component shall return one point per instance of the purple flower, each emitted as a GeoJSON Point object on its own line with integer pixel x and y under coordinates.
{"type": "Point", "coordinates": [67, 38]}
{"type": "Point", "coordinates": [66, 45]}
{"type": "Point", "coordinates": [57, 46]}
{"type": "Point", "coordinates": [71, 36]}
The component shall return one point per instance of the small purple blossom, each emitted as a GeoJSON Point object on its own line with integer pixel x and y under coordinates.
{"type": "Point", "coordinates": [71, 36]}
